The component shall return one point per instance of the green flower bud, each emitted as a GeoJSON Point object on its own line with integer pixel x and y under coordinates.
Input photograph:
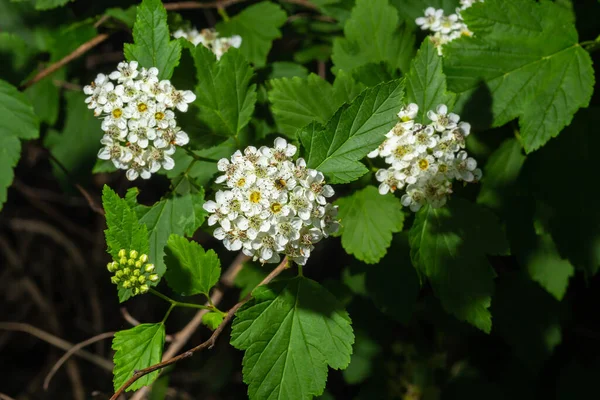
{"type": "Point", "coordinates": [144, 288]}
{"type": "Point", "coordinates": [149, 268]}
{"type": "Point", "coordinates": [144, 258]}
{"type": "Point", "coordinates": [123, 261]}
{"type": "Point", "coordinates": [122, 253]}
{"type": "Point", "coordinates": [115, 280]}
{"type": "Point", "coordinates": [138, 264]}
{"type": "Point", "coordinates": [119, 274]}
{"type": "Point", "coordinates": [136, 272]}
{"type": "Point", "coordinates": [135, 291]}
{"type": "Point", "coordinates": [126, 284]}
{"type": "Point", "coordinates": [126, 271]}
{"type": "Point", "coordinates": [112, 266]}
{"type": "Point", "coordinates": [142, 279]}
{"type": "Point", "coordinates": [131, 262]}
{"type": "Point", "coordinates": [133, 254]}
{"type": "Point", "coordinates": [133, 280]}
{"type": "Point", "coordinates": [153, 277]}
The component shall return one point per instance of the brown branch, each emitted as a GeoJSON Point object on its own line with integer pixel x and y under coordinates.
{"type": "Point", "coordinates": [208, 344]}
{"type": "Point", "coordinates": [57, 342]}
{"type": "Point", "coordinates": [71, 351]}
{"type": "Point", "coordinates": [90, 44]}
{"type": "Point", "coordinates": [190, 5]}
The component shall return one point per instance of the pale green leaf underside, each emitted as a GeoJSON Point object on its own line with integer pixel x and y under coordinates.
{"type": "Point", "coordinates": [373, 34]}
{"type": "Point", "coordinates": [426, 82]}
{"type": "Point", "coordinates": [368, 220]}
{"type": "Point", "coordinates": [258, 25]}
{"type": "Point", "coordinates": [137, 348]}
{"type": "Point", "coordinates": [291, 331]}
{"type": "Point", "coordinates": [152, 46]}
{"type": "Point", "coordinates": [528, 55]}
{"type": "Point", "coordinates": [224, 94]}
{"type": "Point", "coordinates": [353, 132]}
{"type": "Point", "coordinates": [299, 101]}
{"type": "Point", "coordinates": [190, 269]}
{"type": "Point", "coordinates": [449, 247]}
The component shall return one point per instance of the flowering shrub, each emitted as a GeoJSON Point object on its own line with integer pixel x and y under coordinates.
{"type": "Point", "coordinates": [400, 189]}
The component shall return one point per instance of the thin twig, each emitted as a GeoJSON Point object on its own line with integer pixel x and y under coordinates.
{"type": "Point", "coordinates": [181, 338]}
{"type": "Point", "coordinates": [90, 44]}
{"type": "Point", "coordinates": [91, 202]}
{"type": "Point", "coordinates": [57, 342]}
{"type": "Point", "coordinates": [128, 317]}
{"type": "Point", "coordinates": [190, 5]}
{"type": "Point", "coordinates": [208, 344]}
{"type": "Point", "coordinates": [69, 353]}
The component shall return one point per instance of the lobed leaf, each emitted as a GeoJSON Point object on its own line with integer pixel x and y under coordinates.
{"type": "Point", "coordinates": [368, 220]}
{"type": "Point", "coordinates": [137, 348]}
{"type": "Point", "coordinates": [258, 25]}
{"type": "Point", "coordinates": [291, 331]}
{"type": "Point", "coordinates": [191, 270]}
{"type": "Point", "coordinates": [152, 46]}
{"type": "Point", "coordinates": [449, 247]}
{"type": "Point", "coordinates": [528, 56]}
{"type": "Point", "coordinates": [226, 97]}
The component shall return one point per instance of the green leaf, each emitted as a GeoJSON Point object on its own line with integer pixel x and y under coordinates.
{"type": "Point", "coordinates": [546, 267]}
{"type": "Point", "coordinates": [127, 16]}
{"type": "Point", "coordinates": [18, 122]}
{"type": "Point", "coordinates": [361, 365]}
{"type": "Point", "coordinates": [426, 82]}
{"type": "Point", "coordinates": [225, 96]}
{"type": "Point", "coordinates": [49, 4]}
{"type": "Point", "coordinates": [373, 74]}
{"type": "Point", "coordinates": [286, 69]}
{"type": "Point", "coordinates": [291, 331]}
{"type": "Point", "coordinates": [368, 220]}
{"type": "Point", "coordinates": [191, 270]}
{"type": "Point", "coordinates": [258, 25]}
{"type": "Point", "coordinates": [212, 320]}
{"type": "Point", "coordinates": [374, 34]}
{"type": "Point", "coordinates": [249, 277]}
{"type": "Point", "coordinates": [501, 173]}
{"type": "Point", "coordinates": [124, 229]}
{"type": "Point", "coordinates": [449, 247]}
{"type": "Point", "coordinates": [45, 97]}
{"type": "Point", "coordinates": [77, 145]}
{"type": "Point", "coordinates": [137, 348]}
{"type": "Point", "coordinates": [152, 46]}
{"type": "Point", "coordinates": [527, 53]}
{"type": "Point", "coordinates": [177, 214]}
{"type": "Point", "coordinates": [356, 129]}
{"type": "Point", "coordinates": [299, 101]}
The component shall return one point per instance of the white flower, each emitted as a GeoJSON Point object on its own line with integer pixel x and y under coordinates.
{"type": "Point", "coordinates": [210, 39]}
{"type": "Point", "coordinates": [272, 205]}
{"type": "Point", "coordinates": [140, 126]}
{"type": "Point", "coordinates": [431, 20]}
{"type": "Point", "coordinates": [426, 158]}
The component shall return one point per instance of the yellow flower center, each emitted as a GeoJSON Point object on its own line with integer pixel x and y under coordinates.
{"type": "Point", "coordinates": [276, 207]}
{"type": "Point", "coordinates": [117, 112]}
{"type": "Point", "coordinates": [142, 107]}
{"type": "Point", "coordinates": [443, 168]}
{"type": "Point", "coordinates": [159, 115]}
{"type": "Point", "coordinates": [255, 197]}
{"type": "Point", "coordinates": [241, 182]}
{"type": "Point", "coordinates": [423, 164]}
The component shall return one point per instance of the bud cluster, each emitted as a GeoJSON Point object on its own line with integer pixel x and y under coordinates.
{"type": "Point", "coordinates": [140, 129]}
{"type": "Point", "coordinates": [272, 204]}
{"type": "Point", "coordinates": [425, 158]}
{"type": "Point", "coordinates": [445, 28]}
{"type": "Point", "coordinates": [210, 39]}
{"type": "Point", "coordinates": [132, 271]}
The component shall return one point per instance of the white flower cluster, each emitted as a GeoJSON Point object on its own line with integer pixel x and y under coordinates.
{"type": "Point", "coordinates": [140, 129]}
{"type": "Point", "coordinates": [445, 28]}
{"type": "Point", "coordinates": [210, 39]}
{"type": "Point", "coordinates": [425, 158]}
{"type": "Point", "coordinates": [272, 205]}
